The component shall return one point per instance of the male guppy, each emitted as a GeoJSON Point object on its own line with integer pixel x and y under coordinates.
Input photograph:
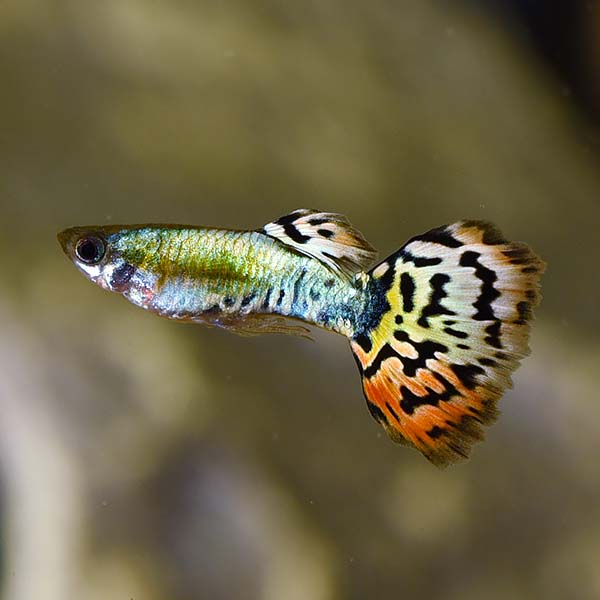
{"type": "Point", "coordinates": [436, 329]}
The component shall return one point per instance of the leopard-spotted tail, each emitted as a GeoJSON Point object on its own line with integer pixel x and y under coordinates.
{"type": "Point", "coordinates": [451, 325]}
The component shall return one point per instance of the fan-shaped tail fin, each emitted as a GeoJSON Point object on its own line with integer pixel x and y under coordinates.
{"type": "Point", "coordinates": [455, 305]}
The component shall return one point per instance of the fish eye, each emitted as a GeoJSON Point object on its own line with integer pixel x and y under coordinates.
{"type": "Point", "coordinates": [90, 250]}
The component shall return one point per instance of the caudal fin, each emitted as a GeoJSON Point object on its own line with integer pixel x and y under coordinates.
{"type": "Point", "coordinates": [448, 325]}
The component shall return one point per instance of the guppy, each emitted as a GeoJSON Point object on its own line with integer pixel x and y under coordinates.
{"type": "Point", "coordinates": [436, 328]}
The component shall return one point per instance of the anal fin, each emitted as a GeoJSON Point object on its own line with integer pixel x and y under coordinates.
{"type": "Point", "coordinates": [259, 324]}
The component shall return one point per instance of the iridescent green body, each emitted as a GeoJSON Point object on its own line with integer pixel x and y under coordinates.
{"type": "Point", "coordinates": [217, 275]}
{"type": "Point", "coordinates": [224, 277]}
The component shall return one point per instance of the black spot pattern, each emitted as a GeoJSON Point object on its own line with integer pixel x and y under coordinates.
{"type": "Point", "coordinates": [364, 341]}
{"type": "Point", "coordinates": [213, 310]}
{"type": "Point", "coordinates": [281, 297]}
{"type": "Point", "coordinates": [438, 293]}
{"type": "Point", "coordinates": [292, 232]}
{"type": "Point", "coordinates": [493, 335]}
{"type": "Point", "coordinates": [289, 218]}
{"type": "Point", "coordinates": [410, 401]}
{"type": "Point", "coordinates": [377, 413]}
{"type": "Point", "coordinates": [297, 285]}
{"type": "Point", "coordinates": [287, 222]}
{"type": "Point", "coordinates": [326, 233]}
{"type": "Point", "coordinates": [456, 333]}
{"type": "Point", "coordinates": [488, 293]}
{"type": "Point", "coordinates": [520, 255]}
{"type": "Point", "coordinates": [487, 362]}
{"type": "Point", "coordinates": [467, 374]}
{"type": "Point", "coordinates": [491, 234]}
{"type": "Point", "coordinates": [530, 295]}
{"type": "Point", "coordinates": [407, 289]}
{"type": "Point", "coordinates": [435, 432]}
{"type": "Point", "coordinates": [378, 288]}
{"type": "Point", "coordinates": [267, 301]}
{"type": "Point", "coordinates": [419, 261]}
{"type": "Point", "coordinates": [121, 276]}
{"type": "Point", "coordinates": [246, 300]}
{"type": "Point", "coordinates": [524, 311]}
{"type": "Point", "coordinates": [392, 411]}
{"type": "Point", "coordinates": [425, 351]}
{"type": "Point", "coordinates": [440, 236]}
{"type": "Point", "coordinates": [386, 281]}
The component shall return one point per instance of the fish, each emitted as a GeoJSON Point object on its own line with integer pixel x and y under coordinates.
{"type": "Point", "coordinates": [436, 329]}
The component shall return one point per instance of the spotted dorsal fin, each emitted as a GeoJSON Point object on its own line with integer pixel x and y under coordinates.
{"type": "Point", "coordinates": [328, 237]}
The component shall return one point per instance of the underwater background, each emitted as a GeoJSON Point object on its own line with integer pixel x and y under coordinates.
{"type": "Point", "coordinates": [145, 459]}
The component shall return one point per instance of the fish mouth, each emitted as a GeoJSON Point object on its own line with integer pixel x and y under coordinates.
{"type": "Point", "coordinates": [68, 237]}
{"type": "Point", "coordinates": [64, 237]}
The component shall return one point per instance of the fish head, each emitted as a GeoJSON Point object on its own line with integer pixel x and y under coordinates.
{"type": "Point", "coordinates": [111, 257]}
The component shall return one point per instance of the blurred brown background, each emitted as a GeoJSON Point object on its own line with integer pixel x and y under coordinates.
{"type": "Point", "coordinates": [148, 460]}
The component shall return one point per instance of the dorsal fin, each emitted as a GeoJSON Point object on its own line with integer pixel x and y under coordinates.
{"type": "Point", "coordinates": [328, 237]}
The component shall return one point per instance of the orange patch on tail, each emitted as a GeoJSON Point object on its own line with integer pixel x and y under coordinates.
{"type": "Point", "coordinates": [433, 411]}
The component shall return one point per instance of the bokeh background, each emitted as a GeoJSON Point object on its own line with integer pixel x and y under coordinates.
{"type": "Point", "coordinates": [149, 460]}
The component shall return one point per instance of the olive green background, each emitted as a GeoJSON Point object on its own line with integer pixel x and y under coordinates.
{"type": "Point", "coordinates": [149, 460]}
